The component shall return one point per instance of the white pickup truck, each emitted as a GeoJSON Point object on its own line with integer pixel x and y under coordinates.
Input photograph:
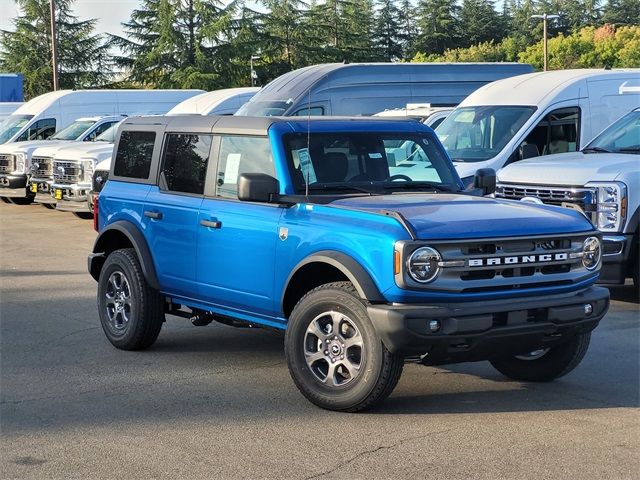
{"type": "Point", "coordinates": [602, 180]}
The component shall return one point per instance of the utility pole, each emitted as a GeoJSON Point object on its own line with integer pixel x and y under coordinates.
{"type": "Point", "coordinates": [54, 45]}
{"type": "Point", "coordinates": [544, 18]}
{"type": "Point", "coordinates": [254, 76]}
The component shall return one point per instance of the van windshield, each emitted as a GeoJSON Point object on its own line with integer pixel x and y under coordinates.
{"type": "Point", "coordinates": [264, 109]}
{"type": "Point", "coordinates": [12, 125]}
{"type": "Point", "coordinates": [73, 131]}
{"type": "Point", "coordinates": [622, 136]}
{"type": "Point", "coordinates": [475, 134]}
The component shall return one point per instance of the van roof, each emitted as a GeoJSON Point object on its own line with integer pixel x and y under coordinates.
{"type": "Point", "coordinates": [205, 102]}
{"type": "Point", "coordinates": [539, 88]}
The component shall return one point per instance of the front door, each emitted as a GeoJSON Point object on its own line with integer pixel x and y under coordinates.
{"type": "Point", "coordinates": [237, 240]}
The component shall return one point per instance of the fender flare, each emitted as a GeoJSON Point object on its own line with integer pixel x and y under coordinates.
{"type": "Point", "coordinates": [362, 281]}
{"type": "Point", "coordinates": [139, 243]}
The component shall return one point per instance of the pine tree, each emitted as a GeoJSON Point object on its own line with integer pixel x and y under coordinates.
{"type": "Point", "coordinates": [438, 25]}
{"type": "Point", "coordinates": [83, 59]}
{"type": "Point", "coordinates": [389, 37]}
{"type": "Point", "coordinates": [359, 31]}
{"type": "Point", "coordinates": [622, 12]}
{"type": "Point", "coordinates": [409, 27]}
{"type": "Point", "coordinates": [480, 22]}
{"type": "Point", "coordinates": [283, 36]}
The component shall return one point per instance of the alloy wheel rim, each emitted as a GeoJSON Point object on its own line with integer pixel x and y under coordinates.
{"type": "Point", "coordinates": [118, 302]}
{"type": "Point", "coordinates": [334, 349]}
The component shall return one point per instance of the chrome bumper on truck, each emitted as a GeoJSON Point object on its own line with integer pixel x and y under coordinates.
{"type": "Point", "coordinates": [41, 188]}
{"type": "Point", "coordinates": [14, 186]}
{"type": "Point", "coordinates": [472, 331]}
{"type": "Point", "coordinates": [71, 198]}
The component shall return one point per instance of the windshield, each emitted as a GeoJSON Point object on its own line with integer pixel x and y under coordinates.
{"type": "Point", "coordinates": [12, 125]}
{"type": "Point", "coordinates": [109, 135]}
{"type": "Point", "coordinates": [264, 109]}
{"type": "Point", "coordinates": [475, 134]}
{"type": "Point", "coordinates": [622, 136]}
{"type": "Point", "coordinates": [368, 163]}
{"type": "Point", "coordinates": [73, 131]}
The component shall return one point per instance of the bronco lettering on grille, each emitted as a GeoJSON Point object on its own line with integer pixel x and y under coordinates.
{"type": "Point", "coordinates": [518, 259]}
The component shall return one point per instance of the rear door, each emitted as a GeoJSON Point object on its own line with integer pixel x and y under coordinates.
{"type": "Point", "coordinates": [171, 210]}
{"type": "Point", "coordinates": [237, 240]}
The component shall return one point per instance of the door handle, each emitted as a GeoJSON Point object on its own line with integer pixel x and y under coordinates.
{"type": "Point", "coordinates": [153, 215]}
{"type": "Point", "coordinates": [211, 223]}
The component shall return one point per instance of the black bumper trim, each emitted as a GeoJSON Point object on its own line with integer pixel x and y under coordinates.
{"type": "Point", "coordinates": [482, 330]}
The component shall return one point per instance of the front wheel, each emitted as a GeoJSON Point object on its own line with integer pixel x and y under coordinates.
{"type": "Point", "coordinates": [131, 312]}
{"type": "Point", "coordinates": [335, 356]}
{"type": "Point", "coordinates": [545, 364]}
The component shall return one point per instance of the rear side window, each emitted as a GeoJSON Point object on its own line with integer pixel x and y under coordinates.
{"type": "Point", "coordinates": [241, 155]}
{"type": "Point", "coordinates": [135, 152]}
{"type": "Point", "coordinates": [184, 167]}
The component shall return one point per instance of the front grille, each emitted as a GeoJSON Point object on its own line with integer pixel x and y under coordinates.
{"type": "Point", "coordinates": [7, 163]}
{"type": "Point", "coordinates": [474, 266]}
{"type": "Point", "coordinates": [585, 198]}
{"type": "Point", "coordinates": [96, 185]}
{"type": "Point", "coordinates": [42, 167]}
{"type": "Point", "coordinates": [66, 172]}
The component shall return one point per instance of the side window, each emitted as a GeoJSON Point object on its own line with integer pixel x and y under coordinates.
{"type": "Point", "coordinates": [135, 151]}
{"type": "Point", "coordinates": [241, 155]}
{"type": "Point", "coordinates": [40, 130]}
{"type": "Point", "coordinates": [184, 166]}
{"type": "Point", "coordinates": [557, 132]}
{"type": "Point", "coordinates": [313, 112]}
{"type": "Point", "coordinates": [98, 130]}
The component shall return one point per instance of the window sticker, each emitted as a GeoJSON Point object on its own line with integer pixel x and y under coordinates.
{"type": "Point", "coordinates": [375, 155]}
{"type": "Point", "coordinates": [232, 167]}
{"type": "Point", "coordinates": [306, 166]}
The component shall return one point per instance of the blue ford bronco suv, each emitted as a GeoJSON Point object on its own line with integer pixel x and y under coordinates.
{"type": "Point", "coordinates": [351, 235]}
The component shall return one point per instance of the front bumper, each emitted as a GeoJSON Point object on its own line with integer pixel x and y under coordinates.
{"type": "Point", "coordinates": [475, 331]}
{"type": "Point", "coordinates": [41, 187]}
{"type": "Point", "coordinates": [72, 198]}
{"type": "Point", "coordinates": [14, 186]}
{"type": "Point", "coordinates": [618, 259]}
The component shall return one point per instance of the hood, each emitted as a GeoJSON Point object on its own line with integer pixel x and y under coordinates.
{"type": "Point", "coordinates": [103, 165]}
{"type": "Point", "coordinates": [452, 216]}
{"type": "Point", "coordinates": [29, 147]}
{"type": "Point", "coordinates": [79, 150]}
{"type": "Point", "coordinates": [575, 168]}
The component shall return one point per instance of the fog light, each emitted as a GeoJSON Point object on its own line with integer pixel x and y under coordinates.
{"type": "Point", "coordinates": [588, 309]}
{"type": "Point", "coordinates": [434, 325]}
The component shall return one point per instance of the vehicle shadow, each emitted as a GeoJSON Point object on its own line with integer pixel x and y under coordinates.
{"type": "Point", "coordinates": [625, 293]}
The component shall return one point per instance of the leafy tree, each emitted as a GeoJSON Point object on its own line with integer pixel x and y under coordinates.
{"type": "Point", "coordinates": [389, 38]}
{"type": "Point", "coordinates": [284, 38]}
{"type": "Point", "coordinates": [479, 22]}
{"type": "Point", "coordinates": [438, 24]}
{"type": "Point", "coordinates": [622, 12]}
{"type": "Point", "coordinates": [83, 59]}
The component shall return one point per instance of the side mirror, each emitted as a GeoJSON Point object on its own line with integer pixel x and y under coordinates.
{"type": "Point", "coordinates": [530, 150]}
{"type": "Point", "coordinates": [485, 180]}
{"type": "Point", "coordinates": [257, 187]}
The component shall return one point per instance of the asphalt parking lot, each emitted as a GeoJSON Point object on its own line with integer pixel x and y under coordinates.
{"type": "Point", "coordinates": [217, 402]}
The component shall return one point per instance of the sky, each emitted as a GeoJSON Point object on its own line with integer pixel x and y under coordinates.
{"type": "Point", "coordinates": [109, 13]}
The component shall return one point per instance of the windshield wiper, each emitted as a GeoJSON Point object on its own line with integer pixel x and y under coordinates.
{"type": "Point", "coordinates": [417, 184]}
{"type": "Point", "coordinates": [595, 150]}
{"type": "Point", "coordinates": [341, 187]}
{"type": "Point", "coordinates": [629, 149]}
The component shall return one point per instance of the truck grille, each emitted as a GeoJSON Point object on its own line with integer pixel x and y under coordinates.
{"type": "Point", "coordinates": [66, 172]}
{"type": "Point", "coordinates": [474, 266]}
{"type": "Point", "coordinates": [42, 167]}
{"type": "Point", "coordinates": [7, 163]}
{"type": "Point", "coordinates": [585, 198]}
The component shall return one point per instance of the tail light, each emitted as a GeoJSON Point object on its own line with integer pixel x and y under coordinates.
{"type": "Point", "coordinates": [95, 213]}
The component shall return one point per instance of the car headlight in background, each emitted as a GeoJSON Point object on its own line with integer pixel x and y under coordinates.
{"type": "Point", "coordinates": [591, 253]}
{"type": "Point", "coordinates": [423, 264]}
{"type": "Point", "coordinates": [20, 162]}
{"type": "Point", "coordinates": [87, 170]}
{"type": "Point", "coordinates": [611, 206]}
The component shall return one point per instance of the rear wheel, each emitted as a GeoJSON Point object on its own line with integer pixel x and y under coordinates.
{"type": "Point", "coordinates": [84, 215]}
{"type": "Point", "coordinates": [131, 312]}
{"type": "Point", "coordinates": [335, 356]}
{"type": "Point", "coordinates": [545, 364]}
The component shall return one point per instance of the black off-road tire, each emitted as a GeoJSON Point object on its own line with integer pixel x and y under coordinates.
{"type": "Point", "coordinates": [147, 307]}
{"type": "Point", "coordinates": [380, 370]}
{"type": "Point", "coordinates": [84, 215]}
{"type": "Point", "coordinates": [555, 363]}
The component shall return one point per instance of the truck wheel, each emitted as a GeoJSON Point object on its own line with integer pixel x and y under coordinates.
{"type": "Point", "coordinates": [131, 312]}
{"type": "Point", "coordinates": [335, 356]}
{"type": "Point", "coordinates": [545, 364]}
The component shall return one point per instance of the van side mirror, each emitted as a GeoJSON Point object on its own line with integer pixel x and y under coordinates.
{"type": "Point", "coordinates": [257, 187]}
{"type": "Point", "coordinates": [485, 180]}
{"type": "Point", "coordinates": [530, 150]}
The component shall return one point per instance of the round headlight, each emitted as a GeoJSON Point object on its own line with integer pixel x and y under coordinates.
{"type": "Point", "coordinates": [591, 253]}
{"type": "Point", "coordinates": [423, 264]}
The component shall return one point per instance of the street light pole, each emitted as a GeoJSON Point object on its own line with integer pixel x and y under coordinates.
{"type": "Point", "coordinates": [253, 73]}
{"type": "Point", "coordinates": [544, 18]}
{"type": "Point", "coordinates": [54, 45]}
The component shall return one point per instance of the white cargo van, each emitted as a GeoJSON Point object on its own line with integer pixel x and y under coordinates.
{"type": "Point", "coordinates": [535, 114]}
{"type": "Point", "coordinates": [38, 119]}
{"type": "Point", "coordinates": [219, 102]}
{"type": "Point", "coordinates": [424, 112]}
